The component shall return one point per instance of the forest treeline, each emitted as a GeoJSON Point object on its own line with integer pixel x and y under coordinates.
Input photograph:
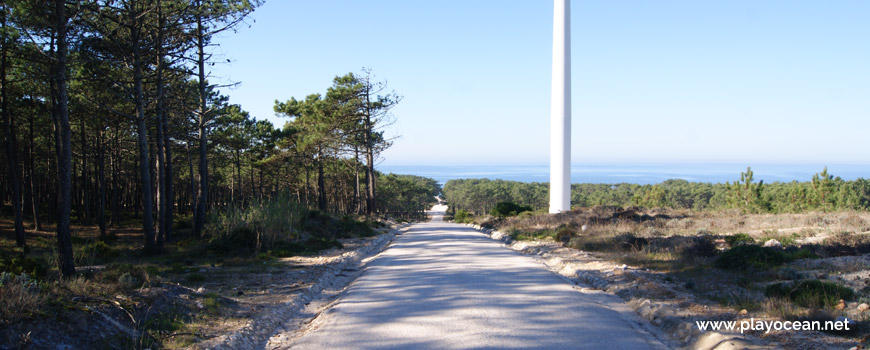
{"type": "Point", "coordinates": [109, 116]}
{"type": "Point", "coordinates": [824, 192]}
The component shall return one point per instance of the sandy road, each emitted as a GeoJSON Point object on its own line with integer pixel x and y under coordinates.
{"type": "Point", "coordinates": [446, 286]}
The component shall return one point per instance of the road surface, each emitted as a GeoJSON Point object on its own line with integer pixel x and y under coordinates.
{"type": "Point", "coordinates": [446, 286]}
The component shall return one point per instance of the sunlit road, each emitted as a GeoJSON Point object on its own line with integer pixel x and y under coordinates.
{"type": "Point", "coordinates": [446, 286]}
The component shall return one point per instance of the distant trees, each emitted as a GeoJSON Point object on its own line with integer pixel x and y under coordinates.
{"type": "Point", "coordinates": [823, 192]}
{"type": "Point", "coordinates": [747, 194]}
{"type": "Point", "coordinates": [407, 194]}
{"type": "Point", "coordinates": [335, 131]}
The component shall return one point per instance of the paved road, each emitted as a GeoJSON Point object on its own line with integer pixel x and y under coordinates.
{"type": "Point", "coordinates": [446, 286]}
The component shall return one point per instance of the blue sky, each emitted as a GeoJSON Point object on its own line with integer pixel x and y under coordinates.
{"type": "Point", "coordinates": [659, 81]}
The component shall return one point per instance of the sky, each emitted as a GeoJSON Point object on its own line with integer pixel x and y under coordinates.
{"type": "Point", "coordinates": [653, 81]}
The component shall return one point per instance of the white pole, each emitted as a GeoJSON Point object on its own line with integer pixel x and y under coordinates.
{"type": "Point", "coordinates": [560, 110]}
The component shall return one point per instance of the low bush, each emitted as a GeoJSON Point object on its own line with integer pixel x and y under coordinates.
{"type": "Point", "coordinates": [310, 246]}
{"type": "Point", "coordinates": [35, 267]}
{"type": "Point", "coordinates": [752, 256]}
{"type": "Point", "coordinates": [739, 239]}
{"type": "Point", "coordinates": [810, 293]}
{"type": "Point", "coordinates": [463, 217]}
{"type": "Point", "coordinates": [353, 228]}
{"type": "Point", "coordinates": [20, 297]}
{"type": "Point", "coordinates": [94, 253]}
{"type": "Point", "coordinates": [699, 246]}
{"type": "Point", "coordinates": [256, 227]}
{"type": "Point", "coordinates": [630, 242]}
{"type": "Point", "coordinates": [564, 235]}
{"type": "Point", "coordinates": [504, 209]}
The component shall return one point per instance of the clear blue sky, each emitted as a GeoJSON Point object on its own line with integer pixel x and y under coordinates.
{"type": "Point", "coordinates": [654, 81]}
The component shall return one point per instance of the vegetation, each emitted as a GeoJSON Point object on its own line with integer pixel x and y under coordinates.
{"type": "Point", "coordinates": [503, 209]}
{"type": "Point", "coordinates": [825, 193]}
{"type": "Point", "coordinates": [800, 280]}
{"type": "Point", "coordinates": [810, 293]}
{"type": "Point", "coordinates": [748, 256]}
{"type": "Point", "coordinates": [124, 166]}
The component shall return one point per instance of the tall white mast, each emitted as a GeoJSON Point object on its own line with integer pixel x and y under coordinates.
{"type": "Point", "coordinates": [560, 110]}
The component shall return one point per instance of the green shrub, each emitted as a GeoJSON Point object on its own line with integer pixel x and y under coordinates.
{"type": "Point", "coordinates": [750, 256]}
{"type": "Point", "coordinates": [20, 297]}
{"type": "Point", "coordinates": [810, 293]}
{"type": "Point", "coordinates": [196, 277]}
{"type": "Point", "coordinates": [629, 242]}
{"type": "Point", "coordinates": [463, 217]}
{"type": "Point", "coordinates": [35, 267]}
{"type": "Point", "coordinates": [94, 253]}
{"type": "Point", "coordinates": [258, 226]}
{"type": "Point", "coordinates": [241, 240]}
{"type": "Point", "coordinates": [739, 239]}
{"type": "Point", "coordinates": [310, 246]}
{"type": "Point", "coordinates": [315, 245]}
{"type": "Point", "coordinates": [128, 281]}
{"type": "Point", "coordinates": [353, 228]}
{"type": "Point", "coordinates": [564, 235]}
{"type": "Point", "coordinates": [503, 209]}
{"type": "Point", "coordinates": [699, 246]}
{"type": "Point", "coordinates": [753, 256]}
{"type": "Point", "coordinates": [163, 323]}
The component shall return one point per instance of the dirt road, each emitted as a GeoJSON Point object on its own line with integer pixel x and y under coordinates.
{"type": "Point", "coordinates": [446, 286]}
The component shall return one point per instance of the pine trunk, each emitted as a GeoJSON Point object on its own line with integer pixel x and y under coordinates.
{"type": "Point", "coordinates": [144, 164]}
{"type": "Point", "coordinates": [203, 137]}
{"type": "Point", "coordinates": [11, 149]}
{"type": "Point", "coordinates": [64, 240]}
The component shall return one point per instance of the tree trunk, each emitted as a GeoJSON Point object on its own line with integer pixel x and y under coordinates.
{"type": "Point", "coordinates": [254, 194]}
{"type": "Point", "coordinates": [116, 189]}
{"type": "Point", "coordinates": [169, 192]}
{"type": "Point", "coordinates": [101, 175]}
{"type": "Point", "coordinates": [11, 149]}
{"type": "Point", "coordinates": [321, 186]}
{"type": "Point", "coordinates": [83, 180]}
{"type": "Point", "coordinates": [203, 137]}
{"type": "Point", "coordinates": [371, 205]}
{"type": "Point", "coordinates": [34, 201]}
{"type": "Point", "coordinates": [356, 207]}
{"type": "Point", "coordinates": [192, 182]}
{"type": "Point", "coordinates": [142, 131]}
{"type": "Point", "coordinates": [161, 110]}
{"type": "Point", "coordinates": [64, 240]}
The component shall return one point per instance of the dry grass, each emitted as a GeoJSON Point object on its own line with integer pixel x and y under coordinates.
{"type": "Point", "coordinates": [683, 245]}
{"type": "Point", "coordinates": [782, 308]}
{"type": "Point", "coordinates": [19, 299]}
{"type": "Point", "coordinates": [651, 223]}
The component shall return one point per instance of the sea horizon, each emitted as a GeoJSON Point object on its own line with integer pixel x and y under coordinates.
{"type": "Point", "coordinates": [643, 174]}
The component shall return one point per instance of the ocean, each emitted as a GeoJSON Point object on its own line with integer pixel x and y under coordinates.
{"type": "Point", "coordinates": [625, 173]}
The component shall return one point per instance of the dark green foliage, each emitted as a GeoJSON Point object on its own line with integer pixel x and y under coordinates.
{"type": "Point", "coordinates": [307, 247]}
{"type": "Point", "coordinates": [825, 192]}
{"type": "Point", "coordinates": [34, 267]}
{"type": "Point", "coordinates": [239, 241]}
{"type": "Point", "coordinates": [739, 239]}
{"type": "Point", "coordinates": [752, 256]}
{"type": "Point", "coordinates": [353, 228]}
{"type": "Point", "coordinates": [318, 231]}
{"type": "Point", "coordinates": [810, 293]}
{"type": "Point", "coordinates": [196, 277]}
{"type": "Point", "coordinates": [406, 196]}
{"type": "Point", "coordinates": [463, 216]}
{"type": "Point", "coordinates": [700, 246]}
{"type": "Point", "coordinates": [97, 251]}
{"type": "Point", "coordinates": [503, 209]}
{"type": "Point", "coordinates": [630, 242]}
{"type": "Point", "coordinates": [564, 235]}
